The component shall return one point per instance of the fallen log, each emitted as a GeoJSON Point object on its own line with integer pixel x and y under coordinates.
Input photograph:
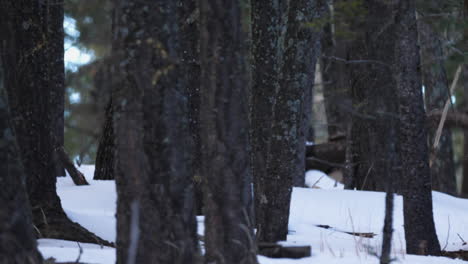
{"type": "Point", "coordinates": [326, 157]}
{"type": "Point", "coordinates": [273, 250]}
{"type": "Point", "coordinates": [77, 177]}
{"type": "Point", "coordinates": [359, 234]}
{"type": "Point", "coordinates": [330, 156]}
{"type": "Point", "coordinates": [460, 254]}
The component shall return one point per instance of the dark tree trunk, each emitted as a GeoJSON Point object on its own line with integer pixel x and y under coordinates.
{"type": "Point", "coordinates": [225, 134]}
{"type": "Point", "coordinates": [57, 80]}
{"type": "Point", "coordinates": [336, 83]}
{"type": "Point", "coordinates": [282, 84]}
{"type": "Point", "coordinates": [385, 257]}
{"type": "Point", "coordinates": [30, 62]}
{"type": "Point", "coordinates": [104, 167]}
{"type": "Point", "coordinates": [298, 81]}
{"type": "Point", "coordinates": [267, 23]}
{"type": "Point", "coordinates": [190, 34]}
{"type": "Point", "coordinates": [436, 94]}
{"type": "Point", "coordinates": [17, 242]}
{"type": "Point", "coordinates": [375, 113]}
{"type": "Point", "coordinates": [464, 189]}
{"type": "Point", "coordinates": [420, 232]}
{"type": "Point", "coordinates": [155, 212]}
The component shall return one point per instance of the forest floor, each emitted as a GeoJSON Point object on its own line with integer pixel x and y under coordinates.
{"type": "Point", "coordinates": [322, 217]}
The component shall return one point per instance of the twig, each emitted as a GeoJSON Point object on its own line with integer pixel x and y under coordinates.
{"type": "Point", "coordinates": [313, 185]}
{"type": "Point", "coordinates": [464, 243]}
{"type": "Point", "coordinates": [352, 227]}
{"type": "Point", "coordinates": [448, 234]}
{"type": "Point", "coordinates": [79, 254]}
{"type": "Point", "coordinates": [345, 61]}
{"type": "Point", "coordinates": [333, 164]}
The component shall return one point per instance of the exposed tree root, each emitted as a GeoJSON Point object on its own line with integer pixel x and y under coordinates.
{"type": "Point", "coordinates": [54, 223]}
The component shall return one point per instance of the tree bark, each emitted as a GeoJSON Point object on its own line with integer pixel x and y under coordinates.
{"type": "Point", "coordinates": [272, 194]}
{"type": "Point", "coordinates": [57, 81]}
{"type": "Point", "coordinates": [385, 257]}
{"type": "Point", "coordinates": [375, 112]}
{"type": "Point", "coordinates": [436, 94]}
{"type": "Point", "coordinates": [104, 167]}
{"type": "Point", "coordinates": [30, 61]}
{"type": "Point", "coordinates": [299, 77]}
{"type": "Point", "coordinates": [225, 134]}
{"type": "Point", "coordinates": [420, 235]}
{"type": "Point", "coordinates": [17, 242]}
{"type": "Point", "coordinates": [284, 69]}
{"type": "Point", "coordinates": [190, 33]}
{"type": "Point", "coordinates": [155, 212]}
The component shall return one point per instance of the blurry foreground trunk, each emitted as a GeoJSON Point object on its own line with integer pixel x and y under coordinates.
{"type": "Point", "coordinates": [225, 134]}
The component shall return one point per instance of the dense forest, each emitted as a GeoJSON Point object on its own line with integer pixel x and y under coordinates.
{"type": "Point", "coordinates": [218, 108]}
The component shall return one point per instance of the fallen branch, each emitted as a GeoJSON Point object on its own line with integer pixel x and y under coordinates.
{"type": "Point", "coordinates": [326, 157]}
{"type": "Point", "coordinates": [273, 250]}
{"type": "Point", "coordinates": [461, 254]}
{"type": "Point", "coordinates": [77, 177]}
{"type": "Point", "coordinates": [358, 234]}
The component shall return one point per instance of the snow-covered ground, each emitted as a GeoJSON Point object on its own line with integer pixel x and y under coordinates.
{"type": "Point", "coordinates": [327, 203]}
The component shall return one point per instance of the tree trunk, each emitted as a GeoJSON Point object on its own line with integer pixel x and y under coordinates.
{"type": "Point", "coordinates": [104, 167]}
{"type": "Point", "coordinates": [336, 83]}
{"type": "Point", "coordinates": [30, 61]}
{"type": "Point", "coordinates": [190, 33]}
{"type": "Point", "coordinates": [155, 211]}
{"type": "Point", "coordinates": [299, 78]}
{"type": "Point", "coordinates": [385, 257]}
{"type": "Point", "coordinates": [272, 194]}
{"type": "Point", "coordinates": [374, 117]}
{"type": "Point", "coordinates": [420, 235]}
{"type": "Point", "coordinates": [225, 134]}
{"type": "Point", "coordinates": [436, 94]}
{"type": "Point", "coordinates": [57, 81]}
{"type": "Point", "coordinates": [464, 189]}
{"type": "Point", "coordinates": [17, 242]}
{"type": "Point", "coordinates": [283, 76]}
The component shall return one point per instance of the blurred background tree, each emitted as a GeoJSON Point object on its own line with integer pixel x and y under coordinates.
{"type": "Point", "coordinates": [88, 27]}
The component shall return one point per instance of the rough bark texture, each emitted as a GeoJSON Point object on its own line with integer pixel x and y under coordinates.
{"type": "Point", "coordinates": [104, 168]}
{"type": "Point", "coordinates": [385, 256]}
{"type": "Point", "coordinates": [302, 48]}
{"type": "Point", "coordinates": [57, 80]}
{"type": "Point", "coordinates": [272, 193]}
{"type": "Point", "coordinates": [420, 231]}
{"type": "Point", "coordinates": [190, 33]}
{"type": "Point", "coordinates": [375, 112]}
{"type": "Point", "coordinates": [17, 242]}
{"type": "Point", "coordinates": [284, 68]}
{"type": "Point", "coordinates": [155, 212]}
{"type": "Point", "coordinates": [436, 94]}
{"type": "Point", "coordinates": [30, 61]}
{"type": "Point", "coordinates": [225, 134]}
